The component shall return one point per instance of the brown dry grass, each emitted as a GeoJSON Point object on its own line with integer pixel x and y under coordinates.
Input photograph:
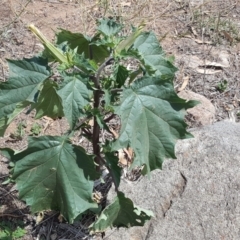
{"type": "Point", "coordinates": [204, 30]}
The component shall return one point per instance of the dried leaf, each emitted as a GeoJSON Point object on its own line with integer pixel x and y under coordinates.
{"type": "Point", "coordinates": [198, 40]}
{"type": "Point", "coordinates": [224, 57]}
{"type": "Point", "coordinates": [207, 71]}
{"type": "Point", "coordinates": [125, 155]}
{"type": "Point", "coordinates": [227, 36]}
{"type": "Point", "coordinates": [122, 158]}
{"type": "Point", "coordinates": [129, 153]}
{"type": "Point", "coordinates": [193, 31]}
{"type": "Point", "coordinates": [40, 217]}
{"type": "Point", "coordinates": [60, 218]}
{"type": "Point", "coordinates": [91, 122]}
{"type": "Point", "coordinates": [187, 36]}
{"type": "Point", "coordinates": [184, 84]}
{"type": "Point", "coordinates": [115, 134]}
{"type": "Point", "coordinates": [97, 197]}
{"type": "Point", "coordinates": [213, 64]}
{"type": "Point", "coordinates": [237, 47]}
{"type": "Point", "coordinates": [235, 103]}
{"type": "Point", "coordinates": [125, 4]}
{"type": "Point", "coordinates": [202, 41]}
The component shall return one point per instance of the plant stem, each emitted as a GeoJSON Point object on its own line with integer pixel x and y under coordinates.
{"type": "Point", "coordinates": [96, 128]}
{"type": "Point", "coordinates": [98, 74]}
{"type": "Point", "coordinates": [96, 131]}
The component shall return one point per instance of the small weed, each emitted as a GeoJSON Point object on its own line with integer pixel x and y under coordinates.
{"type": "Point", "coordinates": [20, 132]}
{"type": "Point", "coordinates": [36, 129]}
{"type": "Point", "coordinates": [9, 177]}
{"type": "Point", "coordinates": [11, 231]}
{"type": "Point", "coordinates": [222, 86]}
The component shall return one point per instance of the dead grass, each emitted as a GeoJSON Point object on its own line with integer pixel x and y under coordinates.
{"type": "Point", "coordinates": [204, 30]}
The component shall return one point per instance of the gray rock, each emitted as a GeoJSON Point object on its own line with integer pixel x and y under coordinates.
{"type": "Point", "coordinates": [204, 112]}
{"type": "Point", "coordinates": [196, 196]}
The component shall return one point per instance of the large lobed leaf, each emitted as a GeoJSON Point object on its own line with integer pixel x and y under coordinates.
{"type": "Point", "coordinates": [54, 174]}
{"type": "Point", "coordinates": [152, 118]}
{"type": "Point", "coordinates": [120, 75]}
{"type": "Point", "coordinates": [152, 54]}
{"type": "Point", "coordinates": [121, 213]}
{"type": "Point", "coordinates": [76, 95]}
{"type": "Point", "coordinates": [83, 45]}
{"type": "Point", "coordinates": [25, 77]}
{"type": "Point", "coordinates": [109, 27]}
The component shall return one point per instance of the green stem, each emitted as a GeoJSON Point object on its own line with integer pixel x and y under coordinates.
{"type": "Point", "coordinates": [96, 131]}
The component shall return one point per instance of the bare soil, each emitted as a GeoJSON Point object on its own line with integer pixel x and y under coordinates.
{"type": "Point", "coordinates": [203, 36]}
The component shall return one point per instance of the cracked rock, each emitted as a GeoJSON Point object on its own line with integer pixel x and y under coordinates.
{"type": "Point", "coordinates": [196, 196]}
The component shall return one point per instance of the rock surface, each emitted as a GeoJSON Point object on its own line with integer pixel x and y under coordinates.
{"type": "Point", "coordinates": [203, 113]}
{"type": "Point", "coordinates": [196, 196]}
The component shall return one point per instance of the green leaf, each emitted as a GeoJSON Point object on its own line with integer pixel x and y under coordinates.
{"type": "Point", "coordinates": [112, 163]}
{"type": "Point", "coordinates": [152, 117]}
{"type": "Point", "coordinates": [19, 91]}
{"type": "Point", "coordinates": [109, 27]}
{"type": "Point", "coordinates": [133, 75]}
{"type": "Point", "coordinates": [55, 52]}
{"type": "Point", "coordinates": [83, 44]}
{"type": "Point", "coordinates": [25, 77]}
{"type": "Point", "coordinates": [120, 74]}
{"type": "Point", "coordinates": [7, 152]}
{"type": "Point", "coordinates": [48, 102]}
{"type": "Point", "coordinates": [54, 174]}
{"type": "Point", "coordinates": [110, 98]}
{"type": "Point", "coordinates": [36, 129]}
{"type": "Point", "coordinates": [152, 54]}
{"type": "Point", "coordinates": [109, 42]}
{"type": "Point", "coordinates": [125, 44]}
{"type": "Point", "coordinates": [99, 117]}
{"type": "Point", "coordinates": [121, 213]}
{"type": "Point", "coordinates": [10, 230]}
{"type": "Point", "coordinates": [107, 98]}
{"type": "Point", "coordinates": [3, 125]}
{"type": "Point", "coordinates": [84, 64]}
{"type": "Point", "coordinates": [101, 122]}
{"type": "Point", "coordinates": [18, 233]}
{"type": "Point", "coordinates": [75, 94]}
{"type": "Point", "coordinates": [5, 121]}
